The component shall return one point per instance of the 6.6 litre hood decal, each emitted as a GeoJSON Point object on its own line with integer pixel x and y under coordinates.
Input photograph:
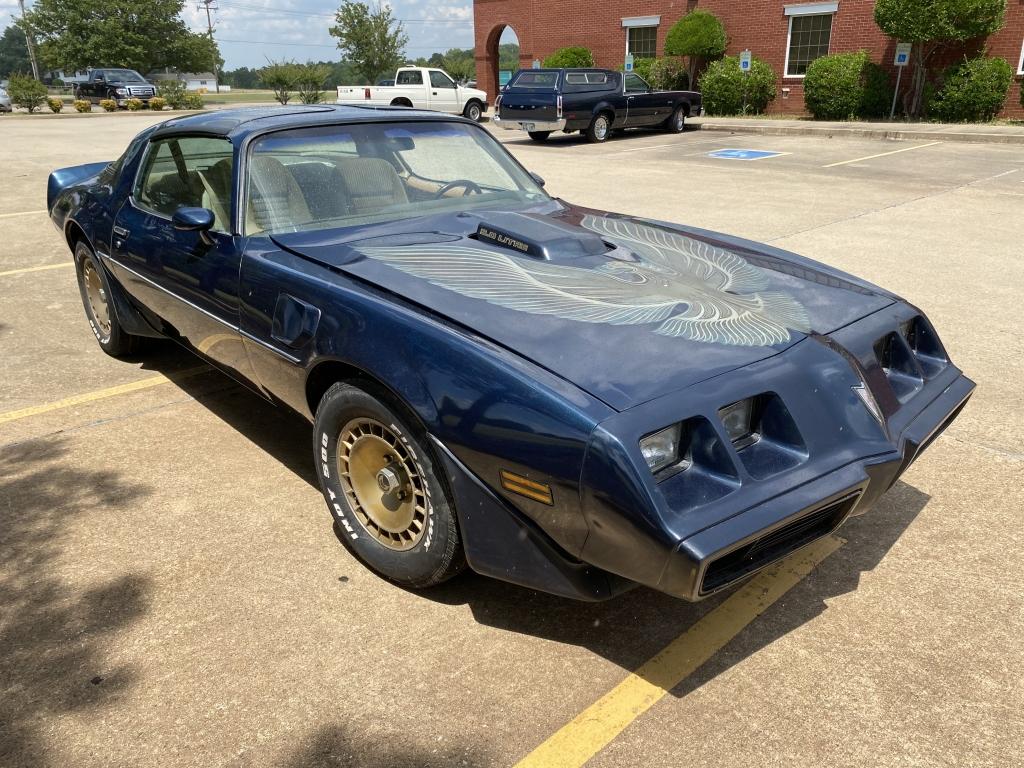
{"type": "Point", "coordinates": [690, 289]}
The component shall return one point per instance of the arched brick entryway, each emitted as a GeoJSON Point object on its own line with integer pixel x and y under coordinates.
{"type": "Point", "coordinates": [487, 63]}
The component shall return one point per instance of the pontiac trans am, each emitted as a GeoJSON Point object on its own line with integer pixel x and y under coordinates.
{"type": "Point", "coordinates": [564, 398]}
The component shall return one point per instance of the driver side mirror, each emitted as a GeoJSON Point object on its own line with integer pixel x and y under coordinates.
{"type": "Point", "coordinates": [193, 219]}
{"type": "Point", "coordinates": [537, 178]}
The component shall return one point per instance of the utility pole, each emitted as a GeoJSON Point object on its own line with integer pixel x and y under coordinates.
{"type": "Point", "coordinates": [208, 5]}
{"type": "Point", "coordinates": [30, 44]}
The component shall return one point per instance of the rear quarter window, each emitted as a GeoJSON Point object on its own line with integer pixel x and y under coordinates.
{"type": "Point", "coordinates": [584, 82]}
{"type": "Point", "coordinates": [535, 79]}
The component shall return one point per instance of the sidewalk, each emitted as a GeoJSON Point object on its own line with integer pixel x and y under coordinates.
{"type": "Point", "coordinates": [964, 132]}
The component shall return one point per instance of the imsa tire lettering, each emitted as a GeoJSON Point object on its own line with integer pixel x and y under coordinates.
{"type": "Point", "coordinates": [335, 506]}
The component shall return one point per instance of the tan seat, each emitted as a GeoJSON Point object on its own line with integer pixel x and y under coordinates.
{"type": "Point", "coordinates": [275, 198]}
{"type": "Point", "coordinates": [217, 193]}
{"type": "Point", "coordinates": [371, 183]}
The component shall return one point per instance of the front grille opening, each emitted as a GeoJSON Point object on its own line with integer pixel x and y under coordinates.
{"type": "Point", "coordinates": [900, 368]}
{"type": "Point", "coordinates": [925, 346]}
{"type": "Point", "coordinates": [776, 544]}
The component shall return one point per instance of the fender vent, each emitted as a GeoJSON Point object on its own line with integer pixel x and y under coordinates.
{"type": "Point", "coordinates": [776, 544]}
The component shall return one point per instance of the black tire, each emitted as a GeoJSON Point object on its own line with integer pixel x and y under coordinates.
{"type": "Point", "coordinates": [677, 121]}
{"type": "Point", "coordinates": [600, 128]}
{"type": "Point", "coordinates": [539, 135]}
{"type": "Point", "coordinates": [474, 111]}
{"type": "Point", "coordinates": [421, 555]}
{"type": "Point", "coordinates": [99, 311]}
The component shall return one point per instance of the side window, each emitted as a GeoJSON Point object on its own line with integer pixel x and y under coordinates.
{"type": "Point", "coordinates": [440, 80]}
{"type": "Point", "coordinates": [190, 171]}
{"type": "Point", "coordinates": [410, 77]}
{"type": "Point", "coordinates": [635, 84]}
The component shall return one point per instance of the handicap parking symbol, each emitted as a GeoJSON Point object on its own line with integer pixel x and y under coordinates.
{"type": "Point", "coordinates": [743, 154]}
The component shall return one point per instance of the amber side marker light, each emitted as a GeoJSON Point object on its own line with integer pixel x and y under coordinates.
{"type": "Point", "coordinates": [523, 486]}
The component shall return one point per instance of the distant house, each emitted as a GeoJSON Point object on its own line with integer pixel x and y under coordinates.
{"type": "Point", "coordinates": [194, 81]}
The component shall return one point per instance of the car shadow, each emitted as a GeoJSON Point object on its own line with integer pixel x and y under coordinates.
{"type": "Point", "coordinates": [333, 746]}
{"type": "Point", "coordinates": [559, 139]}
{"type": "Point", "coordinates": [53, 632]}
{"type": "Point", "coordinates": [631, 628]}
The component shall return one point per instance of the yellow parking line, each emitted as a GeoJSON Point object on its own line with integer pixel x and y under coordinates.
{"type": "Point", "coordinates": [37, 269]}
{"type": "Point", "coordinates": [882, 154]}
{"type": "Point", "coordinates": [99, 394]}
{"type": "Point", "coordinates": [595, 727]}
{"type": "Point", "coordinates": [20, 213]}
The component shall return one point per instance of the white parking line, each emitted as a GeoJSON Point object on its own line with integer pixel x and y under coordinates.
{"type": "Point", "coordinates": [882, 154]}
{"type": "Point", "coordinates": [21, 213]}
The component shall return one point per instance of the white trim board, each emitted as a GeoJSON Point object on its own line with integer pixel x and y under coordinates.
{"type": "Point", "coordinates": [811, 9]}
{"type": "Point", "coordinates": [641, 21]}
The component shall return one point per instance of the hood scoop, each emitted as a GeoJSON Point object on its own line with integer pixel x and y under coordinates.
{"type": "Point", "coordinates": [541, 237]}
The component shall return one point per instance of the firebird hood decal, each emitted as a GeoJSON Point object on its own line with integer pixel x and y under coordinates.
{"type": "Point", "coordinates": [683, 287]}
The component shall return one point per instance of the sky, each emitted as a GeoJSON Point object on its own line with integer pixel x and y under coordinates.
{"type": "Point", "coordinates": [250, 32]}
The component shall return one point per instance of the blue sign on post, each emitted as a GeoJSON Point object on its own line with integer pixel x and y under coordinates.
{"type": "Point", "coordinates": [745, 57]}
{"type": "Point", "coordinates": [742, 154]}
{"type": "Point", "coordinates": [629, 62]}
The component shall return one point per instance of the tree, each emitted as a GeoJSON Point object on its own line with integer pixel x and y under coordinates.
{"type": "Point", "coordinates": [13, 52]}
{"type": "Point", "coordinates": [309, 81]}
{"type": "Point", "coordinates": [700, 36]}
{"type": "Point", "coordinates": [931, 26]}
{"type": "Point", "coordinates": [370, 38]}
{"type": "Point", "coordinates": [25, 91]}
{"type": "Point", "coordinates": [573, 56]}
{"type": "Point", "coordinates": [281, 77]}
{"type": "Point", "coordinates": [143, 35]}
{"type": "Point", "coordinates": [458, 62]}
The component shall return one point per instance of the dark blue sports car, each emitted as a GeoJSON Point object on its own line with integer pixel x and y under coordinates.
{"type": "Point", "coordinates": [564, 398]}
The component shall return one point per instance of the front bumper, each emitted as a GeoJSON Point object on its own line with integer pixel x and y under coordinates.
{"type": "Point", "coordinates": [529, 125]}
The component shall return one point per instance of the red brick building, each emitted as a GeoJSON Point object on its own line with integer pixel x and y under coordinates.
{"type": "Point", "coordinates": [785, 33]}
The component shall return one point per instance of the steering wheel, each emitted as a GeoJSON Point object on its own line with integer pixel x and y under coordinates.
{"type": "Point", "coordinates": [471, 187]}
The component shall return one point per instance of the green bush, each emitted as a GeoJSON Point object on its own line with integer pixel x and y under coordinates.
{"type": "Point", "coordinates": [723, 85]}
{"type": "Point", "coordinates": [108, 105]}
{"type": "Point", "coordinates": [157, 103]}
{"type": "Point", "coordinates": [669, 74]}
{"type": "Point", "coordinates": [309, 81]}
{"type": "Point", "coordinates": [280, 77]}
{"type": "Point", "coordinates": [173, 92]}
{"type": "Point", "coordinates": [26, 92]}
{"type": "Point", "coordinates": [972, 91]}
{"type": "Point", "coordinates": [134, 105]}
{"type": "Point", "coordinates": [573, 56]}
{"type": "Point", "coordinates": [193, 101]}
{"type": "Point", "coordinates": [698, 35]}
{"type": "Point", "coordinates": [55, 104]}
{"type": "Point", "coordinates": [82, 105]}
{"type": "Point", "coordinates": [844, 86]}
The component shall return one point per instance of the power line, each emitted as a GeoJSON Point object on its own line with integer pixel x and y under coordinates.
{"type": "Point", "coordinates": [290, 12]}
{"type": "Point", "coordinates": [311, 45]}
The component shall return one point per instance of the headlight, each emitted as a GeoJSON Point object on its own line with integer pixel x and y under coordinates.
{"type": "Point", "coordinates": [738, 420]}
{"type": "Point", "coordinates": [662, 448]}
{"type": "Point", "coordinates": [122, 91]}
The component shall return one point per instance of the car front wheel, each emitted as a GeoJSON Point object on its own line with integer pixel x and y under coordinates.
{"type": "Point", "coordinates": [99, 310]}
{"type": "Point", "coordinates": [390, 508]}
{"type": "Point", "coordinates": [473, 111]}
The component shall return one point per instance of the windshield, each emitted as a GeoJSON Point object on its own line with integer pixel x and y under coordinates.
{"type": "Point", "coordinates": [124, 76]}
{"type": "Point", "coordinates": [347, 175]}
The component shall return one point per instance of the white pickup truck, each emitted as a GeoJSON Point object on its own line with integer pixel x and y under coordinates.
{"type": "Point", "coordinates": [422, 88]}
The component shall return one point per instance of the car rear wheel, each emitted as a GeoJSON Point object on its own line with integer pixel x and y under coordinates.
{"type": "Point", "coordinates": [99, 310]}
{"type": "Point", "coordinates": [677, 122]}
{"type": "Point", "coordinates": [600, 128]}
{"type": "Point", "coordinates": [539, 135]}
{"type": "Point", "coordinates": [391, 510]}
{"type": "Point", "coordinates": [473, 111]}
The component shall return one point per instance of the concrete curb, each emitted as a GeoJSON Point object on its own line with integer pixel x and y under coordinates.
{"type": "Point", "coordinates": [766, 128]}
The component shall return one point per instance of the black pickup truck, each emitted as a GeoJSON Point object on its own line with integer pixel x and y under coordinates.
{"type": "Point", "coordinates": [116, 84]}
{"type": "Point", "coordinates": [592, 101]}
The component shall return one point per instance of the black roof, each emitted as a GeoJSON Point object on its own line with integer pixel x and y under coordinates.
{"type": "Point", "coordinates": [239, 123]}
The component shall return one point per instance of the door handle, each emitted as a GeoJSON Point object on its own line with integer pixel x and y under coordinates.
{"type": "Point", "coordinates": [434, 93]}
{"type": "Point", "coordinates": [121, 231]}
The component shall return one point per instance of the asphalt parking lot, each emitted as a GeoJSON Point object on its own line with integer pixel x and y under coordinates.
{"type": "Point", "coordinates": [172, 593]}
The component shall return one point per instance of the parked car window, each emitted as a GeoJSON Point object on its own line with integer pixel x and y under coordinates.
{"type": "Point", "coordinates": [635, 84]}
{"type": "Point", "coordinates": [440, 80]}
{"type": "Point", "coordinates": [584, 78]}
{"type": "Point", "coordinates": [533, 79]}
{"type": "Point", "coordinates": [124, 76]}
{"type": "Point", "coordinates": [410, 77]}
{"type": "Point", "coordinates": [342, 176]}
{"type": "Point", "coordinates": [191, 171]}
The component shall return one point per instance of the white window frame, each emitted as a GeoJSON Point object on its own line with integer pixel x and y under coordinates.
{"type": "Point", "coordinates": [1020, 65]}
{"type": "Point", "coordinates": [806, 9]}
{"type": "Point", "coordinates": [631, 22]}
